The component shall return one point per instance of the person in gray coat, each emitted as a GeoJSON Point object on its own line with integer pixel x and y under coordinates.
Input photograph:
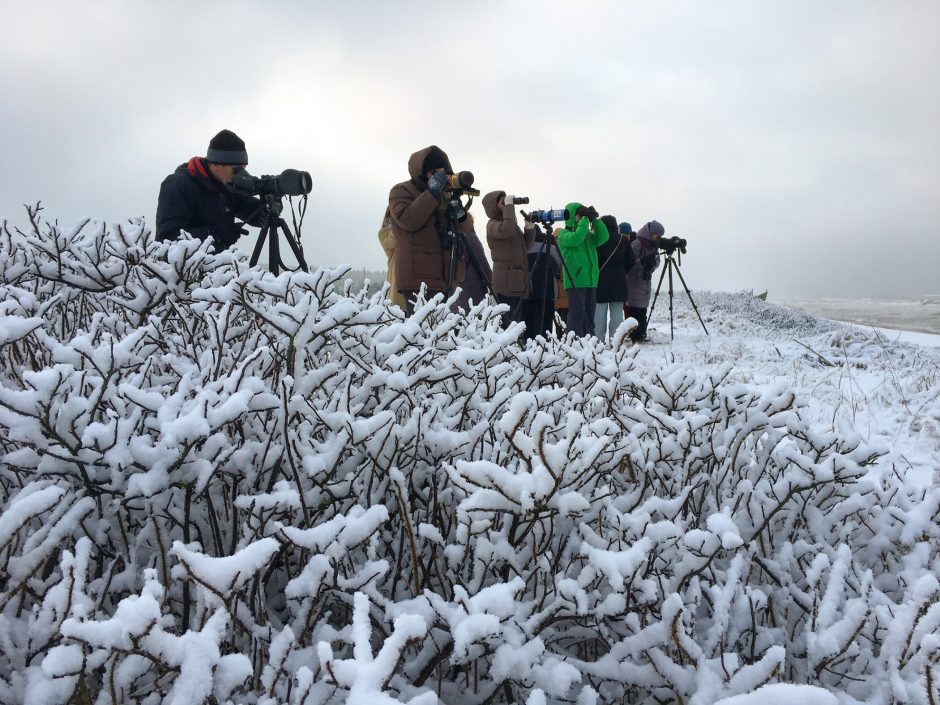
{"type": "Point", "coordinates": [640, 276]}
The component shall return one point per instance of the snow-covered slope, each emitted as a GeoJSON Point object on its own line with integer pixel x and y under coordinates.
{"type": "Point", "coordinates": [220, 484]}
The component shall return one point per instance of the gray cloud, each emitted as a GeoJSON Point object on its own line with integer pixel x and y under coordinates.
{"type": "Point", "coordinates": [794, 144]}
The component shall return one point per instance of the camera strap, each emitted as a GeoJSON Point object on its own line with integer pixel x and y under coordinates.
{"type": "Point", "coordinates": [612, 252]}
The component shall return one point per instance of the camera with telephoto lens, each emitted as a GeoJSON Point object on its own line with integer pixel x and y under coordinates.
{"type": "Point", "coordinates": [516, 200]}
{"type": "Point", "coordinates": [461, 183]}
{"type": "Point", "coordinates": [290, 182]}
{"type": "Point", "coordinates": [671, 244]}
{"type": "Point", "coordinates": [546, 217]}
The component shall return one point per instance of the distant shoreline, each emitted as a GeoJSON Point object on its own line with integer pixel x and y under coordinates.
{"type": "Point", "coordinates": [920, 315]}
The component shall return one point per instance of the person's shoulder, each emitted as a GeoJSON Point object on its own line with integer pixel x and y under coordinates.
{"type": "Point", "coordinates": [405, 187]}
{"type": "Point", "coordinates": [178, 180]}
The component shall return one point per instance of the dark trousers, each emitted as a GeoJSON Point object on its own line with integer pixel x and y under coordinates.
{"type": "Point", "coordinates": [638, 333]}
{"type": "Point", "coordinates": [581, 303]}
{"type": "Point", "coordinates": [538, 314]}
{"type": "Point", "coordinates": [515, 310]}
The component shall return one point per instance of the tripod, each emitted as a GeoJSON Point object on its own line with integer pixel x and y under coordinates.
{"type": "Point", "coordinates": [457, 242]}
{"type": "Point", "coordinates": [543, 258]}
{"type": "Point", "coordinates": [272, 208]}
{"type": "Point", "coordinates": [672, 264]}
{"type": "Point", "coordinates": [548, 243]}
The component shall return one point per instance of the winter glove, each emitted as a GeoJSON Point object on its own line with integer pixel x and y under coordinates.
{"type": "Point", "coordinates": [589, 212]}
{"type": "Point", "coordinates": [226, 235]}
{"type": "Point", "coordinates": [436, 183]}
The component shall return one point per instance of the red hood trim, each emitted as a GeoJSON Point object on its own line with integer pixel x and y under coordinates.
{"type": "Point", "coordinates": [197, 167]}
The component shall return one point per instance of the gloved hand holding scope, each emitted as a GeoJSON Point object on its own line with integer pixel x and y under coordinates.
{"type": "Point", "coordinates": [589, 212]}
{"type": "Point", "coordinates": [436, 183]}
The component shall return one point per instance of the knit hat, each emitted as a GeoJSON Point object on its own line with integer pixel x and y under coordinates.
{"type": "Point", "coordinates": [650, 229]}
{"type": "Point", "coordinates": [610, 222]}
{"type": "Point", "coordinates": [434, 160]}
{"type": "Point", "coordinates": [626, 229]}
{"type": "Point", "coordinates": [227, 148]}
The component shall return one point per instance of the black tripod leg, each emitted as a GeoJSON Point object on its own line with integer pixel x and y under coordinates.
{"type": "Point", "coordinates": [672, 333]}
{"type": "Point", "coordinates": [274, 252]}
{"type": "Point", "coordinates": [256, 253]}
{"type": "Point", "coordinates": [689, 294]}
{"type": "Point", "coordinates": [656, 295]}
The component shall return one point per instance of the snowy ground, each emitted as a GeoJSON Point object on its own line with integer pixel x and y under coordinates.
{"type": "Point", "coordinates": [882, 383]}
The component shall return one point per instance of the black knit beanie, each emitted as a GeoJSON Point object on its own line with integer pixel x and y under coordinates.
{"type": "Point", "coordinates": [434, 160]}
{"type": "Point", "coordinates": [227, 148]}
{"type": "Point", "coordinates": [611, 223]}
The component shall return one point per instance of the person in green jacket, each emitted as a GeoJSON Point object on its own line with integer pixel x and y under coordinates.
{"type": "Point", "coordinates": [578, 242]}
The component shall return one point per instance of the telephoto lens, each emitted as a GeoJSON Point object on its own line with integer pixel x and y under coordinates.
{"type": "Point", "coordinates": [290, 182]}
{"type": "Point", "coordinates": [462, 179]}
{"type": "Point", "coordinates": [545, 217]}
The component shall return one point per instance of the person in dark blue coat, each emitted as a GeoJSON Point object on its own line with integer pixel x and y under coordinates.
{"type": "Point", "coordinates": [195, 197]}
{"type": "Point", "coordinates": [615, 258]}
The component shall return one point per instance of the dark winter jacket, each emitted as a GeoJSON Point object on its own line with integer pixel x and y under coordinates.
{"type": "Point", "coordinates": [508, 245]}
{"type": "Point", "coordinates": [578, 243]}
{"type": "Point", "coordinates": [192, 200]}
{"type": "Point", "coordinates": [640, 276]}
{"type": "Point", "coordinates": [615, 258]}
{"type": "Point", "coordinates": [418, 218]}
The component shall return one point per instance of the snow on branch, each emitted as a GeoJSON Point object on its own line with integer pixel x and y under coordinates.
{"type": "Point", "coordinates": [224, 486]}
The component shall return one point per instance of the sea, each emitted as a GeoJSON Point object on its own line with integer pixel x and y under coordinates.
{"type": "Point", "coordinates": [919, 314]}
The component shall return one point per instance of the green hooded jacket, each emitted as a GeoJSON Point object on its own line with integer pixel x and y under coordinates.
{"type": "Point", "coordinates": [578, 245]}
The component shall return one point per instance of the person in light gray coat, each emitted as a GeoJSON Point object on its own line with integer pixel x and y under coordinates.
{"type": "Point", "coordinates": [640, 276]}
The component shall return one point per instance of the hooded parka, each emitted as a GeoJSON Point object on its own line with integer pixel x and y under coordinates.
{"type": "Point", "coordinates": [578, 243]}
{"type": "Point", "coordinates": [418, 219]}
{"type": "Point", "coordinates": [640, 276]}
{"type": "Point", "coordinates": [509, 246]}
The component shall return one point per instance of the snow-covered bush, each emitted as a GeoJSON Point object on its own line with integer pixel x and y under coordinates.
{"type": "Point", "coordinates": [223, 486]}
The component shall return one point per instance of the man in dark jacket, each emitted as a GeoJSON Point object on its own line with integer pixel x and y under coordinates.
{"type": "Point", "coordinates": [419, 220]}
{"type": "Point", "coordinates": [615, 258]}
{"type": "Point", "coordinates": [195, 197]}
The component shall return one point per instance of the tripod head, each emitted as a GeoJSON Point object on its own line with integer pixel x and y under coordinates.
{"type": "Point", "coordinates": [272, 206]}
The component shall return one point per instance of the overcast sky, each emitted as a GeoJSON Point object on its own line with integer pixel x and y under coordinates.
{"type": "Point", "coordinates": [796, 145]}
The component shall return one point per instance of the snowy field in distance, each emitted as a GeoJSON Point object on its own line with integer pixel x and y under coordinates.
{"type": "Point", "coordinates": [921, 314]}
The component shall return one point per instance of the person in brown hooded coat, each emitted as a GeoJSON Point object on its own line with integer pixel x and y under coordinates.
{"type": "Point", "coordinates": [509, 247]}
{"type": "Point", "coordinates": [419, 219]}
